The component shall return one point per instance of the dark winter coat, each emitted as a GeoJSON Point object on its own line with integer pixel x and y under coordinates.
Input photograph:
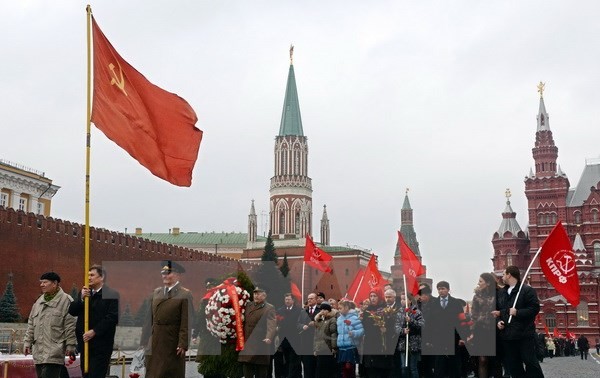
{"type": "Point", "coordinates": [528, 306]}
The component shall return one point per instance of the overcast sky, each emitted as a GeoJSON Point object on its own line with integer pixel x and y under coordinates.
{"type": "Point", "coordinates": [436, 96]}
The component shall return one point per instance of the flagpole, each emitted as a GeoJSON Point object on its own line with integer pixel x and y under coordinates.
{"type": "Point", "coordinates": [86, 265]}
{"type": "Point", "coordinates": [405, 315]}
{"type": "Point", "coordinates": [358, 287]}
{"type": "Point", "coordinates": [523, 280]}
{"type": "Point", "coordinates": [303, 266]}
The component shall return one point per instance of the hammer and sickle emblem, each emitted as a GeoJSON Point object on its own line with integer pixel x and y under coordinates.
{"type": "Point", "coordinates": [117, 79]}
{"type": "Point", "coordinates": [316, 253]}
{"type": "Point", "coordinates": [373, 282]}
{"type": "Point", "coordinates": [566, 264]}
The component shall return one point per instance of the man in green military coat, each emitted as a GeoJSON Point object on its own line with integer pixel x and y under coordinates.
{"type": "Point", "coordinates": [165, 336]}
{"type": "Point", "coordinates": [260, 326]}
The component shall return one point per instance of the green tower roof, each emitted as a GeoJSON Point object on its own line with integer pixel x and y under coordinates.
{"type": "Point", "coordinates": [291, 122]}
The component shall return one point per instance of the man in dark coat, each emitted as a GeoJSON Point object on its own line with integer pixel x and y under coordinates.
{"type": "Point", "coordinates": [440, 334]}
{"type": "Point", "coordinates": [518, 335]}
{"type": "Point", "coordinates": [260, 328]}
{"type": "Point", "coordinates": [289, 327]}
{"type": "Point", "coordinates": [103, 319]}
{"type": "Point", "coordinates": [165, 335]}
{"type": "Point", "coordinates": [583, 344]}
{"type": "Point", "coordinates": [309, 361]}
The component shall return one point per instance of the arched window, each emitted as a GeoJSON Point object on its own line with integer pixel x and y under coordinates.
{"type": "Point", "coordinates": [595, 215]}
{"type": "Point", "coordinates": [509, 259]}
{"type": "Point", "coordinates": [583, 315]}
{"type": "Point", "coordinates": [296, 161]}
{"type": "Point", "coordinates": [540, 219]}
{"type": "Point", "coordinates": [577, 217]}
{"type": "Point", "coordinates": [597, 253]}
{"type": "Point", "coordinates": [282, 222]}
{"type": "Point", "coordinates": [550, 321]}
{"type": "Point", "coordinates": [284, 161]}
{"type": "Point", "coordinates": [297, 222]}
{"type": "Point", "coordinates": [553, 217]}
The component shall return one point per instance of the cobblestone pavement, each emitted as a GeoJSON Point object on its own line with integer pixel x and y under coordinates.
{"type": "Point", "coordinates": [573, 367]}
{"type": "Point", "coordinates": [558, 367]}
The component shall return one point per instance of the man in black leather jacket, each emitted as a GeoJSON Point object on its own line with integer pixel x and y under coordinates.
{"type": "Point", "coordinates": [519, 335]}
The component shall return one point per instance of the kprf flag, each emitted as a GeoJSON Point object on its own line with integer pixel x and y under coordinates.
{"type": "Point", "coordinates": [316, 257]}
{"type": "Point", "coordinates": [411, 266]}
{"type": "Point", "coordinates": [369, 280]}
{"type": "Point", "coordinates": [154, 126]}
{"type": "Point", "coordinates": [558, 264]}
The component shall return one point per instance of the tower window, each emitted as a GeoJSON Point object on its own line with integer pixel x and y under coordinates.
{"type": "Point", "coordinates": [509, 259]}
{"type": "Point", "coordinates": [597, 253]}
{"type": "Point", "coordinates": [595, 215]}
{"type": "Point", "coordinates": [577, 217]}
{"type": "Point", "coordinates": [282, 223]}
{"type": "Point", "coordinates": [297, 222]}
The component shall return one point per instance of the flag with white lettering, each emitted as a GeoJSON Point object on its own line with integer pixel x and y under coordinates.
{"type": "Point", "coordinates": [558, 264]}
{"type": "Point", "coordinates": [411, 266]}
{"type": "Point", "coordinates": [316, 257]}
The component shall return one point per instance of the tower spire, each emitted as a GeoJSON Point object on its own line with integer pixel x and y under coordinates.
{"type": "Point", "coordinates": [252, 224]}
{"type": "Point", "coordinates": [325, 227]}
{"type": "Point", "coordinates": [291, 121]}
{"type": "Point", "coordinates": [545, 151]}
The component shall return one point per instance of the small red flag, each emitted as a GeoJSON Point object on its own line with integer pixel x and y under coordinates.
{"type": "Point", "coordinates": [316, 257]}
{"type": "Point", "coordinates": [411, 266]}
{"type": "Point", "coordinates": [546, 330]}
{"type": "Point", "coordinates": [558, 264]}
{"type": "Point", "coordinates": [154, 126]}
{"type": "Point", "coordinates": [556, 332]}
{"type": "Point", "coordinates": [571, 335]}
{"type": "Point", "coordinates": [366, 280]}
{"type": "Point", "coordinates": [296, 293]}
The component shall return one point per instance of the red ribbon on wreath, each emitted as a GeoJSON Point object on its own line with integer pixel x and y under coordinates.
{"type": "Point", "coordinates": [235, 303]}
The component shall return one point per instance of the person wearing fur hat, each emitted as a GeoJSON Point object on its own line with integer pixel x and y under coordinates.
{"type": "Point", "coordinates": [50, 334]}
{"type": "Point", "coordinates": [325, 342]}
{"type": "Point", "coordinates": [380, 336]}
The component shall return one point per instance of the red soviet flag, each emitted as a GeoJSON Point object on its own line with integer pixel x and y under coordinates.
{"type": "Point", "coordinates": [556, 333]}
{"type": "Point", "coordinates": [546, 330]}
{"type": "Point", "coordinates": [558, 264]}
{"type": "Point", "coordinates": [315, 256]}
{"type": "Point", "coordinates": [371, 279]}
{"type": "Point", "coordinates": [296, 293]}
{"type": "Point", "coordinates": [411, 266]}
{"type": "Point", "coordinates": [154, 126]}
{"type": "Point", "coordinates": [355, 284]}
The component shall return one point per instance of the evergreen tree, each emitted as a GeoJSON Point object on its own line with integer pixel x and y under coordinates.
{"type": "Point", "coordinates": [269, 277]}
{"type": "Point", "coordinates": [142, 314]}
{"type": "Point", "coordinates": [126, 319]}
{"type": "Point", "coordinates": [9, 310]}
{"type": "Point", "coordinates": [269, 254]}
{"type": "Point", "coordinates": [284, 268]}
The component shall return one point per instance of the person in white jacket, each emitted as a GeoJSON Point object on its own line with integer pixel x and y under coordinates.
{"type": "Point", "coordinates": [50, 332]}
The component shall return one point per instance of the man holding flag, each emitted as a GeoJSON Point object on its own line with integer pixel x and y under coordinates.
{"type": "Point", "coordinates": [518, 335]}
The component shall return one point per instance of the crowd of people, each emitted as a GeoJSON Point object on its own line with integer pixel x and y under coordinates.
{"type": "Point", "coordinates": [389, 334]}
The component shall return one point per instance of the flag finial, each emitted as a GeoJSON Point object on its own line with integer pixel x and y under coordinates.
{"type": "Point", "coordinates": [406, 192]}
{"type": "Point", "coordinates": [291, 54]}
{"type": "Point", "coordinates": [507, 193]}
{"type": "Point", "coordinates": [541, 86]}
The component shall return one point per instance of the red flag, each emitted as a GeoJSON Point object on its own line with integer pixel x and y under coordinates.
{"type": "Point", "coordinates": [546, 330]}
{"type": "Point", "coordinates": [154, 126]}
{"type": "Point", "coordinates": [316, 257]}
{"type": "Point", "coordinates": [411, 266]}
{"type": "Point", "coordinates": [296, 293]}
{"type": "Point", "coordinates": [570, 335]}
{"type": "Point", "coordinates": [368, 280]}
{"type": "Point", "coordinates": [556, 332]}
{"type": "Point", "coordinates": [558, 264]}
{"type": "Point", "coordinates": [355, 284]}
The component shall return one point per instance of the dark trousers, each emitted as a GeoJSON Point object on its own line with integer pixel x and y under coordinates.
{"type": "Point", "coordinates": [447, 366]}
{"type": "Point", "coordinates": [279, 363]}
{"type": "Point", "coordinates": [49, 370]}
{"type": "Point", "coordinates": [584, 353]}
{"type": "Point", "coordinates": [309, 365]}
{"type": "Point", "coordinates": [255, 371]}
{"type": "Point", "coordinates": [326, 367]}
{"type": "Point", "coordinates": [98, 364]}
{"type": "Point", "coordinates": [292, 365]}
{"type": "Point", "coordinates": [519, 353]}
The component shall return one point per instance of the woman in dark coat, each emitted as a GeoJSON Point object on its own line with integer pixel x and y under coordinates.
{"type": "Point", "coordinates": [483, 330]}
{"type": "Point", "coordinates": [380, 337]}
